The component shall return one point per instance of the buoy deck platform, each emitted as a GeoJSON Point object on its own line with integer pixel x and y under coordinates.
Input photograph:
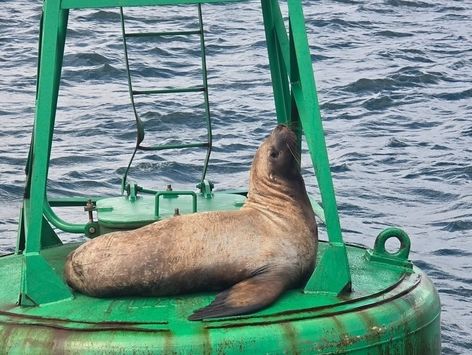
{"type": "Point", "coordinates": [390, 307]}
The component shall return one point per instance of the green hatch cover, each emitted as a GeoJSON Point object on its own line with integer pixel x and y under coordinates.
{"type": "Point", "coordinates": [122, 213]}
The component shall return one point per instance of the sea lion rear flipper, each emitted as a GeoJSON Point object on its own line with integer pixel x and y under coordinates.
{"type": "Point", "coordinates": [244, 297]}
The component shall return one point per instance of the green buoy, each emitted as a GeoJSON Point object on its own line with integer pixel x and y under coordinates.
{"type": "Point", "coordinates": [358, 300]}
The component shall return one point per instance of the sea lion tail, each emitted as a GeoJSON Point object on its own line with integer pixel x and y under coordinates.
{"type": "Point", "coordinates": [244, 297]}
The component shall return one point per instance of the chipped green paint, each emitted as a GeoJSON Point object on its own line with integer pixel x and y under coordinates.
{"type": "Point", "coordinates": [357, 301]}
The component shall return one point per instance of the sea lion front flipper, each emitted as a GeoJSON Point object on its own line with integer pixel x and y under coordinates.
{"type": "Point", "coordinates": [244, 297]}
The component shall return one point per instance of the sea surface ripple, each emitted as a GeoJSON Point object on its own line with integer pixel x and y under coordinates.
{"type": "Point", "coordinates": [394, 80]}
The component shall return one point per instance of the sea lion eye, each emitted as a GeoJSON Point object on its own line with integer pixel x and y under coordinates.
{"type": "Point", "coordinates": [274, 154]}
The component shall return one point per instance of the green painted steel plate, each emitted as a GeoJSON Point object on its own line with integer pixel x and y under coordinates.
{"type": "Point", "coordinates": [122, 213]}
{"type": "Point", "coordinates": [389, 308]}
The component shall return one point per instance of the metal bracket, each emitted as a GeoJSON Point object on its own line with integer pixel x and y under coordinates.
{"type": "Point", "coordinates": [206, 188]}
{"type": "Point", "coordinates": [175, 194]}
{"type": "Point", "coordinates": [331, 276]}
{"type": "Point", "coordinates": [398, 258]}
{"type": "Point", "coordinates": [132, 191]}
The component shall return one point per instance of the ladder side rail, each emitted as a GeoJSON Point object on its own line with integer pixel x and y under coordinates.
{"type": "Point", "coordinates": [205, 93]}
{"type": "Point", "coordinates": [139, 123]}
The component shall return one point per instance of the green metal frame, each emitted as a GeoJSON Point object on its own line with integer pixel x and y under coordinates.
{"type": "Point", "coordinates": [296, 101]}
{"type": "Point", "coordinates": [296, 104]}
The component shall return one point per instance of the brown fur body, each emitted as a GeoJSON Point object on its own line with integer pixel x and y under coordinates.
{"type": "Point", "coordinates": [255, 253]}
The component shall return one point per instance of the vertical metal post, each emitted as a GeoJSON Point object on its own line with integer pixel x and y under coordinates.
{"type": "Point", "coordinates": [294, 78]}
{"type": "Point", "coordinates": [292, 55]}
{"type": "Point", "coordinates": [37, 275]}
{"type": "Point", "coordinates": [276, 48]}
{"type": "Point", "coordinates": [332, 273]}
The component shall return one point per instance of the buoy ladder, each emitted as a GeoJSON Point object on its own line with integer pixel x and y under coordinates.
{"type": "Point", "coordinates": [203, 88]}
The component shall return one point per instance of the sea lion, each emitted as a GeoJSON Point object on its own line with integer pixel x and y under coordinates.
{"type": "Point", "coordinates": [254, 254]}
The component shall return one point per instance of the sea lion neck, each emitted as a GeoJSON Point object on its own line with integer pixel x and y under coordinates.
{"type": "Point", "coordinates": [275, 181]}
{"type": "Point", "coordinates": [277, 195]}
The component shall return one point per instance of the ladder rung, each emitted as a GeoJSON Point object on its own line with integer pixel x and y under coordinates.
{"type": "Point", "coordinates": [168, 91]}
{"type": "Point", "coordinates": [158, 34]}
{"type": "Point", "coordinates": [175, 146]}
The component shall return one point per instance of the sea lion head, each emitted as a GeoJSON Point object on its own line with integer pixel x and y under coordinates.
{"type": "Point", "coordinates": [277, 159]}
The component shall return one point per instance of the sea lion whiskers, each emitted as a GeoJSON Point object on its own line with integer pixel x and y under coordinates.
{"type": "Point", "coordinates": [295, 156]}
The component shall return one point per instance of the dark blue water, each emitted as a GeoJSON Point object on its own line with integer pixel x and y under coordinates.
{"type": "Point", "coordinates": [395, 86]}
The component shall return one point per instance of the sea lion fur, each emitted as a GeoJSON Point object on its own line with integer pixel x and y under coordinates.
{"type": "Point", "coordinates": [253, 254]}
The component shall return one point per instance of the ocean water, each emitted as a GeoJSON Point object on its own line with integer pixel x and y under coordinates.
{"type": "Point", "coordinates": [394, 81]}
